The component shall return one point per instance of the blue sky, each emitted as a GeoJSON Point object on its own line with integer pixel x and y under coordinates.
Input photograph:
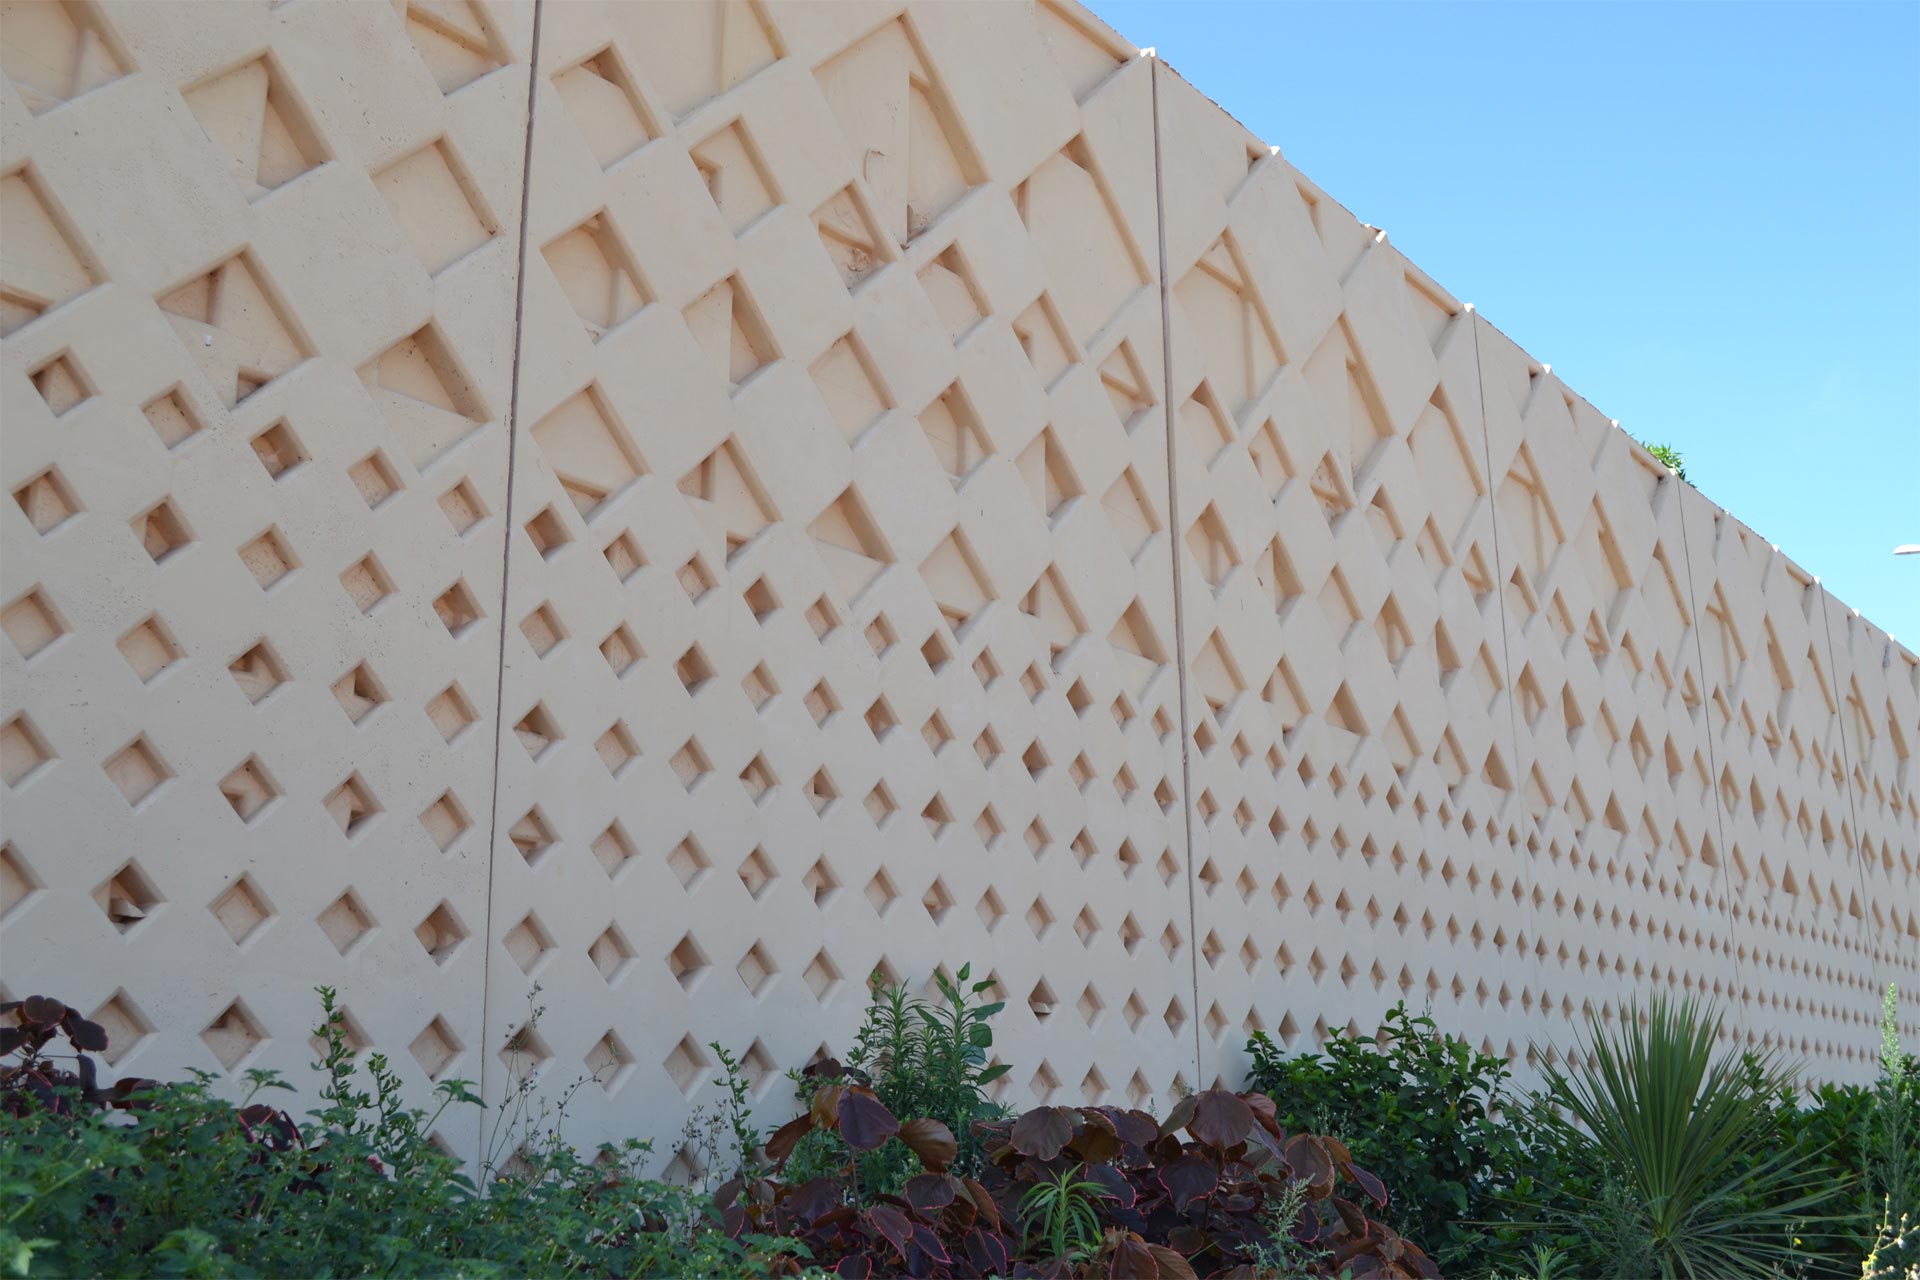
{"type": "Point", "coordinates": [1705, 217]}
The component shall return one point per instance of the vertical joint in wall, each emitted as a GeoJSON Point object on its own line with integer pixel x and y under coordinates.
{"type": "Point", "coordinates": [506, 578]}
{"type": "Point", "coordinates": [1853, 810]}
{"type": "Point", "coordinates": [1173, 545]}
{"type": "Point", "coordinates": [1500, 599]}
{"type": "Point", "coordinates": [1713, 758]}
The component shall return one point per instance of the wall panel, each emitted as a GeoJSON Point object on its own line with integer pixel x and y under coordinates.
{"type": "Point", "coordinates": [925, 485]}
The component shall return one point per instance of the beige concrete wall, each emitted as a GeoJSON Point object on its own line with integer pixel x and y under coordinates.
{"type": "Point", "coordinates": [686, 506]}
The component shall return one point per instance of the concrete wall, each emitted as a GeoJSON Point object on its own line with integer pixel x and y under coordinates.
{"type": "Point", "coordinates": [689, 505]}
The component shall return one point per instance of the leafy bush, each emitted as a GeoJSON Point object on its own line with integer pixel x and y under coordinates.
{"type": "Point", "coordinates": [1073, 1191]}
{"type": "Point", "coordinates": [1214, 1197]}
{"type": "Point", "coordinates": [920, 1059]}
{"type": "Point", "coordinates": [1419, 1108]}
{"type": "Point", "coordinates": [1668, 1160]}
{"type": "Point", "coordinates": [1891, 1142]}
{"type": "Point", "coordinates": [167, 1179]}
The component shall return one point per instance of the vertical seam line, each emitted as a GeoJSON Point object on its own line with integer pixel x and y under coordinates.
{"type": "Point", "coordinates": [1846, 759]}
{"type": "Point", "coordinates": [506, 568]}
{"type": "Point", "coordinates": [1713, 756]}
{"type": "Point", "coordinates": [1506, 654]}
{"type": "Point", "coordinates": [1173, 545]}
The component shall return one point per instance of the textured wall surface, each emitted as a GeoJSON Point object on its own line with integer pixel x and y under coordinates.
{"type": "Point", "coordinates": [689, 505]}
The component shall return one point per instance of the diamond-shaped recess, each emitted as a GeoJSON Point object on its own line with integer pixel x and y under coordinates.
{"type": "Point", "coordinates": [233, 1036]}
{"type": "Point", "coordinates": [161, 531]}
{"type": "Point", "coordinates": [688, 864]}
{"type": "Point", "coordinates": [533, 837]}
{"type": "Point", "coordinates": [22, 750]}
{"type": "Point", "coordinates": [251, 114]}
{"type": "Point", "coordinates": [881, 892]}
{"type": "Point", "coordinates": [351, 806]}
{"type": "Point", "coordinates": [613, 850]}
{"type": "Point", "coordinates": [367, 584]}
{"type": "Point", "coordinates": [687, 962]}
{"type": "Point", "coordinates": [822, 977]}
{"type": "Point", "coordinates": [528, 943]}
{"type": "Point", "coordinates": [597, 273]}
{"type": "Point", "coordinates": [63, 386]}
{"type": "Point", "coordinates": [436, 1048]}
{"type": "Point", "coordinates": [757, 872]}
{"type": "Point", "coordinates": [138, 771]}
{"type": "Point", "coordinates": [436, 204]}
{"type": "Point", "coordinates": [45, 265]}
{"type": "Point", "coordinates": [756, 969]}
{"type": "Point", "coordinates": [249, 789]}
{"type": "Point", "coordinates": [231, 323]}
{"type": "Point", "coordinates": [258, 672]}
{"type": "Point", "coordinates": [32, 623]}
{"type": "Point", "coordinates": [126, 1027]}
{"type": "Point", "coordinates": [242, 909]}
{"type": "Point", "coordinates": [609, 1062]}
{"type": "Point", "coordinates": [820, 882]}
{"type": "Point", "coordinates": [358, 692]}
{"type": "Point", "coordinates": [345, 922]}
{"type": "Point", "coordinates": [450, 712]}
{"type": "Point", "coordinates": [727, 325]}
{"type": "Point", "coordinates": [616, 748]}
{"type": "Point", "coordinates": [441, 933]}
{"type": "Point", "coordinates": [375, 478]}
{"type": "Point", "coordinates": [127, 897]}
{"type": "Point", "coordinates": [17, 881]}
{"type": "Point", "coordinates": [611, 954]}
{"type": "Point", "coordinates": [56, 52]}
{"type": "Point", "coordinates": [46, 502]}
{"type": "Point", "coordinates": [267, 556]}
{"type": "Point", "coordinates": [537, 731]}
{"type": "Point", "coordinates": [687, 1065]}
{"type": "Point", "coordinates": [524, 1053]}
{"type": "Point", "coordinates": [620, 650]}
{"type": "Point", "coordinates": [454, 39]}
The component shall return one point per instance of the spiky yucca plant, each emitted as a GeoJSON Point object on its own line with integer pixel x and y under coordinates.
{"type": "Point", "coordinates": [1682, 1144]}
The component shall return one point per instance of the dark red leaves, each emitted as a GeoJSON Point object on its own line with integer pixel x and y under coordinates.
{"type": "Point", "coordinates": [1133, 1258]}
{"type": "Point", "coordinates": [1172, 1265]}
{"type": "Point", "coordinates": [1220, 1118]}
{"type": "Point", "coordinates": [987, 1252]}
{"type": "Point", "coordinates": [932, 1141]}
{"type": "Point", "coordinates": [1308, 1159]}
{"type": "Point", "coordinates": [865, 1121]}
{"type": "Point", "coordinates": [88, 1037]}
{"type": "Point", "coordinates": [894, 1227]}
{"type": "Point", "coordinates": [1187, 1179]}
{"type": "Point", "coordinates": [1043, 1132]}
{"type": "Point", "coordinates": [930, 1192]}
{"type": "Point", "coordinates": [787, 1136]}
{"type": "Point", "coordinates": [42, 1011]}
{"type": "Point", "coordinates": [1376, 1190]}
{"type": "Point", "coordinates": [816, 1199]}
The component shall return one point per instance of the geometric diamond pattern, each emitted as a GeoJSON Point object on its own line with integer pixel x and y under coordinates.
{"type": "Point", "coordinates": [1258, 666]}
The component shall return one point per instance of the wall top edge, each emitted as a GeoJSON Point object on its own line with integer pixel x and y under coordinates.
{"type": "Point", "coordinates": [1094, 23]}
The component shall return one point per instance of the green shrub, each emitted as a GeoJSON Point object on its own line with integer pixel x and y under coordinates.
{"type": "Point", "coordinates": [1659, 1157]}
{"type": "Point", "coordinates": [1418, 1108]}
{"type": "Point", "coordinates": [1667, 456]}
{"type": "Point", "coordinates": [170, 1180]}
{"type": "Point", "coordinates": [1892, 1146]}
{"type": "Point", "coordinates": [921, 1060]}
